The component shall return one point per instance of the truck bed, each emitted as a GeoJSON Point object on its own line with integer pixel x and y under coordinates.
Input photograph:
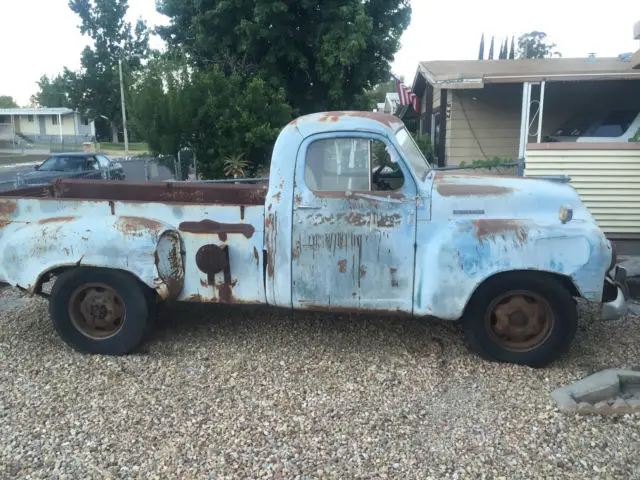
{"type": "Point", "coordinates": [121, 224]}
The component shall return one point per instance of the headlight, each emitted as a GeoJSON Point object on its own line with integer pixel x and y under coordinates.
{"type": "Point", "coordinates": [565, 214]}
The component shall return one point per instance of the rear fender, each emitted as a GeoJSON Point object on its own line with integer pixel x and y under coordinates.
{"type": "Point", "coordinates": [148, 249]}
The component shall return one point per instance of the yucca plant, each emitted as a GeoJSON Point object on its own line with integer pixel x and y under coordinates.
{"type": "Point", "coordinates": [235, 165]}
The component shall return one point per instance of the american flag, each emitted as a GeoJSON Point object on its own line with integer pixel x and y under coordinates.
{"type": "Point", "coordinates": [407, 97]}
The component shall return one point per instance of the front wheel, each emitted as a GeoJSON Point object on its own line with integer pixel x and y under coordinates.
{"type": "Point", "coordinates": [527, 320]}
{"type": "Point", "coordinates": [97, 310]}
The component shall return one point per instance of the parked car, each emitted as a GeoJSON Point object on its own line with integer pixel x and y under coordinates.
{"type": "Point", "coordinates": [599, 126]}
{"type": "Point", "coordinates": [73, 165]}
{"type": "Point", "coordinates": [335, 230]}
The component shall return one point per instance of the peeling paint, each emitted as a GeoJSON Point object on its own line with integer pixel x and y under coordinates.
{"type": "Point", "coordinates": [221, 229]}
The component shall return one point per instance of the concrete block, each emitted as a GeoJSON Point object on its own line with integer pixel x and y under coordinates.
{"type": "Point", "coordinates": [612, 391]}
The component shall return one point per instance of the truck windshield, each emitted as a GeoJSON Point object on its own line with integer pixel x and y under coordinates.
{"type": "Point", "coordinates": [412, 153]}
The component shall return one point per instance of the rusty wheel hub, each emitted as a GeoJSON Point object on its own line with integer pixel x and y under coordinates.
{"type": "Point", "coordinates": [519, 321]}
{"type": "Point", "coordinates": [97, 310]}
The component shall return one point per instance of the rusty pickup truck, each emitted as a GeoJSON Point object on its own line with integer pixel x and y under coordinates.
{"type": "Point", "coordinates": [353, 219]}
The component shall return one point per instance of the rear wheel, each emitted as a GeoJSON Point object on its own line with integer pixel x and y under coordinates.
{"type": "Point", "coordinates": [528, 320]}
{"type": "Point", "coordinates": [98, 310]}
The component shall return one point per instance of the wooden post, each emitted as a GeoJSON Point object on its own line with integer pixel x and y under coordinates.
{"type": "Point", "coordinates": [427, 114]}
{"type": "Point", "coordinates": [442, 134]}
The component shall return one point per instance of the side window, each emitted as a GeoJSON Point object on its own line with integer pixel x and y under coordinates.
{"type": "Point", "coordinates": [351, 164]}
{"type": "Point", "coordinates": [103, 161]}
{"type": "Point", "coordinates": [92, 164]}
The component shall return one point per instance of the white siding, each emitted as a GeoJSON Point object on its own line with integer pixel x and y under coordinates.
{"type": "Point", "coordinates": [68, 125]}
{"type": "Point", "coordinates": [26, 127]}
{"type": "Point", "coordinates": [483, 124]}
{"type": "Point", "coordinates": [607, 177]}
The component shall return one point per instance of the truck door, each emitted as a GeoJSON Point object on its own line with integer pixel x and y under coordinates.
{"type": "Point", "coordinates": [353, 225]}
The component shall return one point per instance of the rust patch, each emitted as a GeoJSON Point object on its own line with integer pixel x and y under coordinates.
{"type": "Point", "coordinates": [256, 255]}
{"type": "Point", "coordinates": [133, 225]}
{"type": "Point", "coordinates": [221, 229]}
{"type": "Point", "coordinates": [112, 206]}
{"type": "Point", "coordinates": [295, 253]}
{"type": "Point", "coordinates": [242, 212]}
{"type": "Point", "coordinates": [298, 198]}
{"type": "Point", "coordinates": [212, 259]}
{"type": "Point", "coordinates": [277, 197]}
{"type": "Point", "coordinates": [487, 228]}
{"type": "Point", "coordinates": [383, 118]}
{"type": "Point", "coordinates": [169, 192]}
{"type": "Point", "coordinates": [350, 195]}
{"type": "Point", "coordinates": [55, 220]}
{"type": "Point", "coordinates": [204, 283]}
{"type": "Point", "coordinates": [342, 266]}
{"type": "Point", "coordinates": [389, 220]}
{"type": "Point", "coordinates": [394, 281]}
{"type": "Point", "coordinates": [4, 223]}
{"type": "Point", "coordinates": [8, 207]}
{"type": "Point", "coordinates": [363, 272]}
{"type": "Point", "coordinates": [352, 310]}
{"type": "Point", "coordinates": [225, 292]}
{"type": "Point", "coordinates": [468, 190]}
{"type": "Point", "coordinates": [271, 228]}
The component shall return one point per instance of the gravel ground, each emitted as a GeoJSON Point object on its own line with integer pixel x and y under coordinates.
{"type": "Point", "coordinates": [230, 393]}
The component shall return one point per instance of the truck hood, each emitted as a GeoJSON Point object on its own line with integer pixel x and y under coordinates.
{"type": "Point", "coordinates": [458, 195]}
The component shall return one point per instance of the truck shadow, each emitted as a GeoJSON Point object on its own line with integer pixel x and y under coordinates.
{"type": "Point", "coordinates": [248, 327]}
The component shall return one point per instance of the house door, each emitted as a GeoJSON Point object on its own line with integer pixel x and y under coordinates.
{"type": "Point", "coordinates": [353, 225]}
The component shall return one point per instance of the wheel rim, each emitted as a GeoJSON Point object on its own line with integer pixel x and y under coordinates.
{"type": "Point", "coordinates": [97, 310]}
{"type": "Point", "coordinates": [519, 320]}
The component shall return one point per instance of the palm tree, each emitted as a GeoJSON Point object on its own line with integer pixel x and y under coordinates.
{"type": "Point", "coordinates": [235, 165]}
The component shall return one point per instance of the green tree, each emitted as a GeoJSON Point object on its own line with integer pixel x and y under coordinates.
{"type": "Point", "coordinates": [481, 52]}
{"type": "Point", "coordinates": [63, 90]}
{"type": "Point", "coordinates": [512, 52]}
{"type": "Point", "coordinates": [491, 48]}
{"type": "Point", "coordinates": [114, 39]}
{"type": "Point", "coordinates": [378, 94]}
{"type": "Point", "coordinates": [218, 115]}
{"type": "Point", "coordinates": [7, 102]}
{"type": "Point", "coordinates": [324, 57]}
{"type": "Point", "coordinates": [536, 45]}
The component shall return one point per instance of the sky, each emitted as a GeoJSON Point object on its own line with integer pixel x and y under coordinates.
{"type": "Point", "coordinates": [41, 36]}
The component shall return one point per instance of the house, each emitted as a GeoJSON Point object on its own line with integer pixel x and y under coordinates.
{"type": "Point", "coordinates": [391, 103]}
{"type": "Point", "coordinates": [44, 125]}
{"type": "Point", "coordinates": [493, 108]}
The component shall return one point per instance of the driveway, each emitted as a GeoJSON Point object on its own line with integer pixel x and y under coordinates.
{"type": "Point", "coordinates": [229, 393]}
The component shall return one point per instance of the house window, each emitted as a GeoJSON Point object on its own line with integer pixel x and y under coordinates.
{"type": "Point", "coordinates": [351, 164]}
{"type": "Point", "coordinates": [3, 119]}
{"type": "Point", "coordinates": [85, 121]}
{"type": "Point", "coordinates": [616, 123]}
{"type": "Point", "coordinates": [30, 118]}
{"type": "Point", "coordinates": [54, 119]}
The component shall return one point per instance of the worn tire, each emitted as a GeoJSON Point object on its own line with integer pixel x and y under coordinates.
{"type": "Point", "coordinates": [134, 327]}
{"type": "Point", "coordinates": [561, 332]}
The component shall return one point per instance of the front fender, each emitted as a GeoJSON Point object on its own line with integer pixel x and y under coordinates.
{"type": "Point", "coordinates": [144, 247]}
{"type": "Point", "coordinates": [453, 261]}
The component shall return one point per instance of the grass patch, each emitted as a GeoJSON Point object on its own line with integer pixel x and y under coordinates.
{"type": "Point", "coordinates": [133, 147]}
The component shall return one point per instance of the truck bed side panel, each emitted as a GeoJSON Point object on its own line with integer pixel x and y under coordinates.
{"type": "Point", "coordinates": [37, 235]}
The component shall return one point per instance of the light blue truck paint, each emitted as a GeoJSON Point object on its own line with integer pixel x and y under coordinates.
{"type": "Point", "coordinates": [422, 249]}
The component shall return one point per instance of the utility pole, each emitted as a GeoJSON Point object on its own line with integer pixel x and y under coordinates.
{"type": "Point", "coordinates": [124, 113]}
